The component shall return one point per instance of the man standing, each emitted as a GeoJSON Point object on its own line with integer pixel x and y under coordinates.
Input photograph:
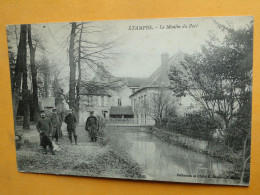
{"type": "Point", "coordinates": [56, 124]}
{"type": "Point", "coordinates": [44, 127]}
{"type": "Point", "coordinates": [71, 121]}
{"type": "Point", "coordinates": [60, 115]}
{"type": "Point", "coordinates": [92, 127]}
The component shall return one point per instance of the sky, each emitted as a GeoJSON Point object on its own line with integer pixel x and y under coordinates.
{"type": "Point", "coordinates": [141, 41]}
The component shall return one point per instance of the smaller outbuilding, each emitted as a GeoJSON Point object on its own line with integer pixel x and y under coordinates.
{"type": "Point", "coordinates": [121, 112]}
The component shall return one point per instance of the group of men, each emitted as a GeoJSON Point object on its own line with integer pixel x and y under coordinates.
{"type": "Point", "coordinates": [49, 128]}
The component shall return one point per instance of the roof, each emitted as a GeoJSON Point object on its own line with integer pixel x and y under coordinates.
{"type": "Point", "coordinates": [160, 78]}
{"type": "Point", "coordinates": [102, 74]}
{"type": "Point", "coordinates": [104, 81]}
{"type": "Point", "coordinates": [121, 110]}
{"type": "Point", "coordinates": [101, 83]}
{"type": "Point", "coordinates": [135, 81]}
{"type": "Point", "coordinates": [94, 90]}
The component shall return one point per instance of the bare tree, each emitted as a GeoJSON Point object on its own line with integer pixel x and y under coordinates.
{"type": "Point", "coordinates": [157, 105]}
{"type": "Point", "coordinates": [72, 64]}
{"type": "Point", "coordinates": [33, 44]}
{"type": "Point", "coordinates": [26, 99]}
{"type": "Point", "coordinates": [79, 71]}
{"type": "Point", "coordinates": [86, 52]}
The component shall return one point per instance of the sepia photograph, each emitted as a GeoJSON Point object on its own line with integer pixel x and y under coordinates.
{"type": "Point", "coordinates": [147, 99]}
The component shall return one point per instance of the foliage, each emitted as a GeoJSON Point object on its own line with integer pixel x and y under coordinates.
{"type": "Point", "coordinates": [219, 78]}
{"type": "Point", "coordinates": [220, 75]}
{"type": "Point", "coordinates": [195, 125]}
{"type": "Point", "coordinates": [241, 127]}
{"type": "Point", "coordinates": [44, 76]}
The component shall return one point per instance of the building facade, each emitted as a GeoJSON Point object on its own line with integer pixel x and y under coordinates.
{"type": "Point", "coordinates": [107, 95]}
{"type": "Point", "coordinates": [145, 100]}
{"type": "Point", "coordinates": [154, 98]}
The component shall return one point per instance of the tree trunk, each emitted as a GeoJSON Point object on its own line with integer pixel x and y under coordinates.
{"type": "Point", "coordinates": [34, 76]}
{"type": "Point", "coordinates": [25, 98]}
{"type": "Point", "coordinates": [79, 75]}
{"type": "Point", "coordinates": [72, 65]}
{"type": "Point", "coordinates": [46, 87]}
{"type": "Point", "coordinates": [20, 63]}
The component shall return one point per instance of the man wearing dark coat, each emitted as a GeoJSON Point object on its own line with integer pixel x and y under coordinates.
{"type": "Point", "coordinates": [92, 127]}
{"type": "Point", "coordinates": [44, 127]}
{"type": "Point", "coordinates": [56, 125]}
{"type": "Point", "coordinates": [71, 121]}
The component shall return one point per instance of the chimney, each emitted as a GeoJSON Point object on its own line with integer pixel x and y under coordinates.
{"type": "Point", "coordinates": [165, 67]}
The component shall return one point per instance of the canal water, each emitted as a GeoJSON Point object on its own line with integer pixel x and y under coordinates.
{"type": "Point", "coordinates": [166, 162]}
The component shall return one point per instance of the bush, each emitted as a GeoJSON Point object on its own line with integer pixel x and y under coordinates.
{"type": "Point", "coordinates": [240, 128]}
{"type": "Point", "coordinates": [193, 125]}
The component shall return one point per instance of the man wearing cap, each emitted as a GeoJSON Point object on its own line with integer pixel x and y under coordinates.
{"type": "Point", "coordinates": [44, 127]}
{"type": "Point", "coordinates": [92, 127]}
{"type": "Point", "coordinates": [56, 124]}
{"type": "Point", "coordinates": [71, 121]}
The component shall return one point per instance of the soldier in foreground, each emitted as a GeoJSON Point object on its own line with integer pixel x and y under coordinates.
{"type": "Point", "coordinates": [71, 121]}
{"type": "Point", "coordinates": [92, 127]}
{"type": "Point", "coordinates": [44, 127]}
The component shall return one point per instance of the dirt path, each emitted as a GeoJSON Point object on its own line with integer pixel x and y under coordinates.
{"type": "Point", "coordinates": [85, 159]}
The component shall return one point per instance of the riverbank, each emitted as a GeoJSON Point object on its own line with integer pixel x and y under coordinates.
{"type": "Point", "coordinates": [214, 149]}
{"type": "Point", "coordinates": [98, 159]}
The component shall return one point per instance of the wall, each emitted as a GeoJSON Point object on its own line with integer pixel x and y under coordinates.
{"type": "Point", "coordinates": [139, 110]}
{"type": "Point", "coordinates": [140, 115]}
{"type": "Point", "coordinates": [187, 105]}
{"type": "Point", "coordinates": [122, 93]}
{"type": "Point", "coordinates": [96, 107]}
{"type": "Point", "coordinates": [181, 140]}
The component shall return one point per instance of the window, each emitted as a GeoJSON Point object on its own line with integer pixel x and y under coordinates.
{"type": "Point", "coordinates": [98, 101]}
{"type": "Point", "coordinates": [104, 112]}
{"type": "Point", "coordinates": [108, 99]}
{"type": "Point", "coordinates": [144, 99]}
{"type": "Point", "coordinates": [89, 101]}
{"type": "Point", "coordinates": [119, 102]}
{"type": "Point", "coordinates": [156, 96]}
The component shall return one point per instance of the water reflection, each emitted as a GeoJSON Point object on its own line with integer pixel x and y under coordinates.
{"type": "Point", "coordinates": [163, 162]}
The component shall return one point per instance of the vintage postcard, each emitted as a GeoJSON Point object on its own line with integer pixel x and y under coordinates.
{"type": "Point", "coordinates": [147, 99]}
